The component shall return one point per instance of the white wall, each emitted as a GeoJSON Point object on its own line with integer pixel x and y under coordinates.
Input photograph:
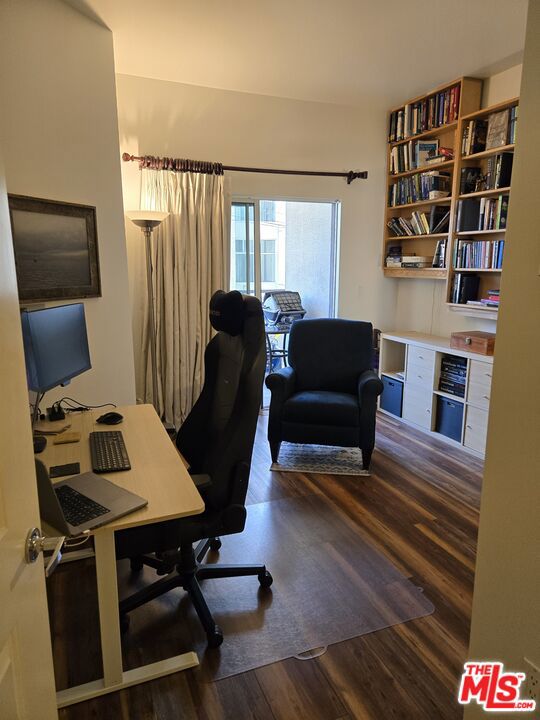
{"type": "Point", "coordinates": [165, 118]}
{"type": "Point", "coordinates": [421, 304]}
{"type": "Point", "coordinates": [60, 141]}
{"type": "Point", "coordinates": [506, 607]}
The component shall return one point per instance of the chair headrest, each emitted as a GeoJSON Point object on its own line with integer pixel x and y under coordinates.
{"type": "Point", "coordinates": [227, 312]}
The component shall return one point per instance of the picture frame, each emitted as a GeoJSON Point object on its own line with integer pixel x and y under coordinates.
{"type": "Point", "coordinates": [56, 249]}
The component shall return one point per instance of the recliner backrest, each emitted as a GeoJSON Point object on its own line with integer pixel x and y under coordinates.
{"type": "Point", "coordinates": [330, 353]}
{"type": "Point", "coordinates": [218, 434]}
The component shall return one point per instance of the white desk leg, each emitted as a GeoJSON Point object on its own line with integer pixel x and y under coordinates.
{"type": "Point", "coordinates": [111, 646]}
{"type": "Point", "coordinates": [109, 621]}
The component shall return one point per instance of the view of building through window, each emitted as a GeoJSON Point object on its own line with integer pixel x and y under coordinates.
{"type": "Point", "coordinates": [282, 244]}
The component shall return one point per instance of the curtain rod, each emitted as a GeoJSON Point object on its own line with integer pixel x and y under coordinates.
{"type": "Point", "coordinates": [211, 168]}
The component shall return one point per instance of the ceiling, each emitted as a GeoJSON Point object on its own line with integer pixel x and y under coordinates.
{"type": "Point", "coordinates": [336, 51]}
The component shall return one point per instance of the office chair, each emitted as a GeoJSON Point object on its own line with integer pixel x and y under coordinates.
{"type": "Point", "coordinates": [217, 441]}
{"type": "Point", "coordinates": [328, 394]}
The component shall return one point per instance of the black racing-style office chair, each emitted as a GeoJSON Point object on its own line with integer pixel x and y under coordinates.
{"type": "Point", "coordinates": [217, 441]}
{"type": "Point", "coordinates": [328, 395]}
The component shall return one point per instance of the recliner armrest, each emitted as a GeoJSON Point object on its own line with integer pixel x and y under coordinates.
{"type": "Point", "coordinates": [282, 383]}
{"type": "Point", "coordinates": [369, 386]}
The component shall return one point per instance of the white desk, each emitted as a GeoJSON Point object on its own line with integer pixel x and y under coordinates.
{"type": "Point", "coordinates": [159, 475]}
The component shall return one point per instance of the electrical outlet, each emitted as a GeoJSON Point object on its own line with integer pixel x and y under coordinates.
{"type": "Point", "coordinates": [531, 689]}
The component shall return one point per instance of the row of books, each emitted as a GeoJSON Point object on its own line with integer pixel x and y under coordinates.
{"type": "Point", "coordinates": [481, 255]}
{"type": "Point", "coordinates": [417, 154]}
{"type": "Point", "coordinates": [420, 223]}
{"type": "Point", "coordinates": [464, 288]}
{"type": "Point", "coordinates": [498, 175]}
{"type": "Point", "coordinates": [485, 133]}
{"type": "Point", "coordinates": [430, 185]}
{"type": "Point", "coordinates": [482, 213]}
{"type": "Point", "coordinates": [491, 300]}
{"type": "Point", "coordinates": [453, 375]}
{"type": "Point", "coordinates": [436, 110]}
{"type": "Point", "coordinates": [409, 261]}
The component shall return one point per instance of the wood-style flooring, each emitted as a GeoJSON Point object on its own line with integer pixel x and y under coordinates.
{"type": "Point", "coordinates": [420, 508]}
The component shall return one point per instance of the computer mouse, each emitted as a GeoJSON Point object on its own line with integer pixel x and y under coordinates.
{"type": "Point", "coordinates": [110, 418]}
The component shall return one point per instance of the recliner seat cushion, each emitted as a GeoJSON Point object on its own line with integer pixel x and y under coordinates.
{"type": "Point", "coordinates": [322, 407]}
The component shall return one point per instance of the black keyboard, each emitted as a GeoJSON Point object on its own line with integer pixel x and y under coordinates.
{"type": "Point", "coordinates": [78, 508]}
{"type": "Point", "coordinates": [108, 452]}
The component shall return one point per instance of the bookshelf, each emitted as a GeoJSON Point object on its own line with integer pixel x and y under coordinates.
{"type": "Point", "coordinates": [430, 118]}
{"type": "Point", "coordinates": [480, 253]}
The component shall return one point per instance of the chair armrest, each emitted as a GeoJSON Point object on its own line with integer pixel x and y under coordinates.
{"type": "Point", "coordinates": [202, 482]}
{"type": "Point", "coordinates": [282, 383]}
{"type": "Point", "coordinates": [369, 387]}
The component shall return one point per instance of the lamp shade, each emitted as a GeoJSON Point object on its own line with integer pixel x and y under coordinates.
{"type": "Point", "coordinates": [148, 219]}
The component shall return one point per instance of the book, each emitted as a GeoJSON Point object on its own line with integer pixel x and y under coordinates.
{"type": "Point", "coordinates": [443, 224]}
{"type": "Point", "coordinates": [439, 255]}
{"type": "Point", "coordinates": [424, 150]}
{"type": "Point", "coordinates": [474, 137]}
{"type": "Point", "coordinates": [468, 215]}
{"type": "Point", "coordinates": [497, 130]}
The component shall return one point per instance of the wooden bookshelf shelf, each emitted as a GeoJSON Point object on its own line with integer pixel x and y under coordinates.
{"type": "Point", "coordinates": [477, 270]}
{"type": "Point", "coordinates": [423, 273]}
{"type": "Point", "coordinates": [423, 109]}
{"type": "Point", "coordinates": [485, 193]}
{"type": "Point", "coordinates": [434, 132]}
{"type": "Point", "coordinates": [424, 168]}
{"type": "Point", "coordinates": [483, 112]}
{"type": "Point", "coordinates": [479, 232]}
{"type": "Point", "coordinates": [487, 153]}
{"type": "Point", "coordinates": [425, 236]}
{"type": "Point", "coordinates": [457, 398]}
{"type": "Point", "coordinates": [487, 313]}
{"type": "Point", "coordinates": [420, 203]}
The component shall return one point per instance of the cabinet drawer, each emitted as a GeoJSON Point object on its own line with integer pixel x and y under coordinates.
{"type": "Point", "coordinates": [417, 405]}
{"type": "Point", "coordinates": [419, 374]}
{"type": "Point", "coordinates": [479, 383]}
{"type": "Point", "coordinates": [420, 357]}
{"type": "Point", "coordinates": [476, 429]}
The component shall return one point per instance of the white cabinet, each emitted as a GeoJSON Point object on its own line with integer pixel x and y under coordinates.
{"type": "Point", "coordinates": [416, 359]}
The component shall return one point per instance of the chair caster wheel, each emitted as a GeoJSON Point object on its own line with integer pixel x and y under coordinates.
{"type": "Point", "coordinates": [124, 623]}
{"type": "Point", "coordinates": [215, 637]}
{"type": "Point", "coordinates": [136, 565]}
{"type": "Point", "coordinates": [215, 544]}
{"type": "Point", "coordinates": [265, 579]}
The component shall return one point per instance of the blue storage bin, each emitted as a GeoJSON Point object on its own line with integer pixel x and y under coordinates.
{"type": "Point", "coordinates": [449, 418]}
{"type": "Point", "coordinates": [392, 395]}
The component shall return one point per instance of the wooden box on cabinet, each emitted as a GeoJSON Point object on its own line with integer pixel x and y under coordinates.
{"type": "Point", "coordinates": [476, 341]}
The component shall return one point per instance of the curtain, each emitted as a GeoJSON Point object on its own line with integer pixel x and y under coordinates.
{"type": "Point", "coordinates": [190, 259]}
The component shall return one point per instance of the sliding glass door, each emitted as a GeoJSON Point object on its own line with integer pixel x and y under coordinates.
{"type": "Point", "coordinates": [286, 245]}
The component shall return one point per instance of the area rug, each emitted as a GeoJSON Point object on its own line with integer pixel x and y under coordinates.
{"type": "Point", "coordinates": [326, 459]}
{"type": "Point", "coordinates": [330, 584]}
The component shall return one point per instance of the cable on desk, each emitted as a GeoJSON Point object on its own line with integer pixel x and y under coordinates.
{"type": "Point", "coordinates": [76, 406]}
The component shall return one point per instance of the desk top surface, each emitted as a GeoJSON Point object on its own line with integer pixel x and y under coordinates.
{"type": "Point", "coordinates": [157, 471]}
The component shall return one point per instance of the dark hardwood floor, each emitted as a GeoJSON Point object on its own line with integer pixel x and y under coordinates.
{"type": "Point", "coordinates": [420, 508]}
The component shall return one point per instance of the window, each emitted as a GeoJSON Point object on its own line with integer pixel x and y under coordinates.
{"type": "Point", "coordinates": [282, 244]}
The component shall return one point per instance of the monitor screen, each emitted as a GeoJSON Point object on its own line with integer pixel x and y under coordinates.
{"type": "Point", "coordinates": [55, 345]}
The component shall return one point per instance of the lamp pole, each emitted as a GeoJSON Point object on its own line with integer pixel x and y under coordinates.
{"type": "Point", "coordinates": [147, 220]}
{"type": "Point", "coordinates": [147, 230]}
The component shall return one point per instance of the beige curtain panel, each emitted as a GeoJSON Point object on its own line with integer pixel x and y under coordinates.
{"type": "Point", "coordinates": [190, 258]}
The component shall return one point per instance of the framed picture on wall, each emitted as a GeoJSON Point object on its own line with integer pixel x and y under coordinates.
{"type": "Point", "coordinates": [56, 249]}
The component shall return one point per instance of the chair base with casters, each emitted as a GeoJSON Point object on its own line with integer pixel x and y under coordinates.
{"type": "Point", "coordinates": [184, 569]}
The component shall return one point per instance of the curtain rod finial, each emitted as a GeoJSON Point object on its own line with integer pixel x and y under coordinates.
{"type": "Point", "coordinates": [351, 175]}
{"type": "Point", "coordinates": [126, 157]}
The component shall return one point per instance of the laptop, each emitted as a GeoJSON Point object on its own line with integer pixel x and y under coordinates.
{"type": "Point", "coordinates": [82, 502]}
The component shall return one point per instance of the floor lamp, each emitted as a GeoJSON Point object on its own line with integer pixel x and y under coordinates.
{"type": "Point", "coordinates": [147, 220]}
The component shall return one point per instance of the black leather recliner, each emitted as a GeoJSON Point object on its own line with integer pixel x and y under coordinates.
{"type": "Point", "coordinates": [328, 394]}
{"type": "Point", "coordinates": [217, 441]}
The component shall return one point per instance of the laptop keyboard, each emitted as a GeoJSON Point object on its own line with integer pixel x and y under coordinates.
{"type": "Point", "coordinates": [78, 508]}
{"type": "Point", "coordinates": [108, 452]}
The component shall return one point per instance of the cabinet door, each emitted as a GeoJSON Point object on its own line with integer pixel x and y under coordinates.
{"type": "Point", "coordinates": [417, 405]}
{"type": "Point", "coordinates": [479, 383]}
{"type": "Point", "coordinates": [420, 357]}
{"type": "Point", "coordinates": [476, 429]}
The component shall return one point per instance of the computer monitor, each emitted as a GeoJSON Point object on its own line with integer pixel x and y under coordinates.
{"type": "Point", "coordinates": [55, 345]}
